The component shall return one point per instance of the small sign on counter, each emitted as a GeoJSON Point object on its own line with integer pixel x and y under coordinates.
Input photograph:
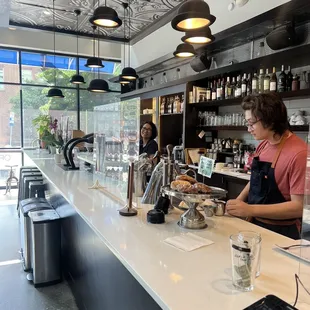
{"type": "Point", "coordinates": [206, 166]}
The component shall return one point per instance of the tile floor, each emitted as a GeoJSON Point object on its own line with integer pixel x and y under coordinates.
{"type": "Point", "coordinates": [16, 293]}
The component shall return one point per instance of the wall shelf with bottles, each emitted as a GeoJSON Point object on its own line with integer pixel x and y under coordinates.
{"type": "Point", "coordinates": [303, 128]}
{"type": "Point", "coordinates": [299, 94]}
{"type": "Point", "coordinates": [171, 114]}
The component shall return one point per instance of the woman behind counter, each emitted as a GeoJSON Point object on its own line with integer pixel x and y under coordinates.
{"type": "Point", "coordinates": [148, 133]}
{"type": "Point", "coordinates": [273, 198]}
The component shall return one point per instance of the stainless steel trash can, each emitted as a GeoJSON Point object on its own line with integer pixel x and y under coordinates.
{"type": "Point", "coordinates": [45, 252]}
{"type": "Point", "coordinates": [25, 206]}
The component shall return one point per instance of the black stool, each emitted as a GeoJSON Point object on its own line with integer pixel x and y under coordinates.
{"type": "Point", "coordinates": [21, 182]}
{"type": "Point", "coordinates": [37, 189]}
{"type": "Point", "coordinates": [27, 180]}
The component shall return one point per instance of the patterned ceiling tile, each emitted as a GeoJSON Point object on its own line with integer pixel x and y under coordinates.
{"type": "Point", "coordinates": [142, 13]}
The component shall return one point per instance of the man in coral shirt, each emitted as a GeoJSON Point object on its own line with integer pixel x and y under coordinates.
{"type": "Point", "coordinates": [275, 192]}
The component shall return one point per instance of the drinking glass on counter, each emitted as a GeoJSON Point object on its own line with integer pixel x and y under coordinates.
{"type": "Point", "coordinates": [245, 254]}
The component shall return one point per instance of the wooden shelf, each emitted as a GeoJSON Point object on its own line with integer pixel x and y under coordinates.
{"type": "Point", "coordinates": [171, 114]}
{"type": "Point", "coordinates": [299, 94]}
{"type": "Point", "coordinates": [304, 128]}
{"type": "Point", "coordinates": [147, 114]}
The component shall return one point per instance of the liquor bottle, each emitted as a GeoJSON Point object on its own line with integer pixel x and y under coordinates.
{"type": "Point", "coordinates": [273, 80]}
{"type": "Point", "coordinates": [282, 81]}
{"type": "Point", "coordinates": [261, 81]}
{"type": "Point", "coordinates": [238, 90]}
{"type": "Point", "coordinates": [163, 105]}
{"type": "Point", "coordinates": [168, 106]}
{"type": "Point", "coordinates": [289, 79]}
{"type": "Point", "coordinates": [182, 104]}
{"type": "Point", "coordinates": [223, 89]}
{"type": "Point", "coordinates": [177, 105]}
{"type": "Point", "coordinates": [213, 94]}
{"type": "Point", "coordinates": [209, 91]}
{"type": "Point", "coordinates": [249, 85]}
{"type": "Point", "coordinates": [266, 82]}
{"type": "Point", "coordinates": [244, 85]}
{"type": "Point", "coordinates": [233, 88]}
{"type": "Point", "coordinates": [219, 90]}
{"type": "Point", "coordinates": [171, 105]}
{"type": "Point", "coordinates": [228, 89]}
{"type": "Point", "coordinates": [295, 83]}
{"type": "Point", "coordinates": [255, 84]}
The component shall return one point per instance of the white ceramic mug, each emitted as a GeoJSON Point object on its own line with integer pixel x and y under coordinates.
{"type": "Point", "coordinates": [58, 158]}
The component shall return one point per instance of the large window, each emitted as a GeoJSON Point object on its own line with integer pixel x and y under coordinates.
{"type": "Point", "coordinates": [25, 78]}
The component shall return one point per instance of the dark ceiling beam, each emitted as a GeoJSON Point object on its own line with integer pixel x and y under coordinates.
{"type": "Point", "coordinates": [71, 32]}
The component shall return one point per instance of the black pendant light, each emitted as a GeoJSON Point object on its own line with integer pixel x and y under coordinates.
{"type": "Point", "coordinates": [184, 50]}
{"type": "Point", "coordinates": [98, 85]}
{"type": "Point", "coordinates": [54, 92]}
{"type": "Point", "coordinates": [94, 62]}
{"type": "Point", "coordinates": [105, 16]}
{"type": "Point", "coordinates": [193, 14]}
{"type": "Point", "coordinates": [77, 78]}
{"type": "Point", "coordinates": [129, 73]}
{"type": "Point", "coordinates": [200, 36]}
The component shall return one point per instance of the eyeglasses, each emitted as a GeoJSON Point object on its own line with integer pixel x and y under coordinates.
{"type": "Point", "coordinates": [251, 125]}
{"type": "Point", "coordinates": [146, 129]}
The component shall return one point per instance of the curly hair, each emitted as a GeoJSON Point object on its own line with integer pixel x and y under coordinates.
{"type": "Point", "coordinates": [154, 129]}
{"type": "Point", "coordinates": [269, 109]}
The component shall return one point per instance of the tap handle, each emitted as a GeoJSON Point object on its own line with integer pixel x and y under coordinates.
{"type": "Point", "coordinates": [169, 148]}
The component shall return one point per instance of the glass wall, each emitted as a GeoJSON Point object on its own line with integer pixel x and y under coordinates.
{"type": "Point", "coordinates": [25, 78]}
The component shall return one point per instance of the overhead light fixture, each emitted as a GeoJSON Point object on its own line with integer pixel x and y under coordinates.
{"type": "Point", "coordinates": [105, 16]}
{"type": "Point", "coordinates": [98, 86]}
{"type": "Point", "coordinates": [129, 73]}
{"type": "Point", "coordinates": [193, 14]}
{"type": "Point", "coordinates": [54, 92]}
{"type": "Point", "coordinates": [46, 12]}
{"type": "Point", "coordinates": [94, 62]}
{"type": "Point", "coordinates": [77, 78]}
{"type": "Point", "coordinates": [123, 81]}
{"type": "Point", "coordinates": [201, 36]}
{"type": "Point", "coordinates": [12, 28]}
{"type": "Point", "coordinates": [184, 50]}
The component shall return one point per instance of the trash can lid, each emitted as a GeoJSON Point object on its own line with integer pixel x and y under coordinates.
{"type": "Point", "coordinates": [42, 216]}
{"type": "Point", "coordinates": [27, 201]}
{"type": "Point", "coordinates": [35, 207]}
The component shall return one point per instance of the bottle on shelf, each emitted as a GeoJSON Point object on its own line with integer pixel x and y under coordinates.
{"type": "Point", "coordinates": [295, 83]}
{"type": "Point", "coordinates": [233, 88]}
{"type": "Point", "coordinates": [289, 79]}
{"type": "Point", "coordinates": [219, 90]}
{"type": "Point", "coordinates": [282, 81]}
{"type": "Point", "coordinates": [249, 85]}
{"type": "Point", "coordinates": [261, 81]}
{"type": "Point", "coordinates": [261, 49]}
{"type": "Point", "coordinates": [213, 93]}
{"type": "Point", "coordinates": [228, 88]}
{"type": "Point", "coordinates": [238, 90]}
{"type": "Point", "coordinates": [244, 86]}
{"type": "Point", "coordinates": [266, 84]}
{"type": "Point", "coordinates": [170, 110]}
{"type": "Point", "coordinates": [223, 89]}
{"type": "Point", "coordinates": [209, 91]}
{"type": "Point", "coordinates": [182, 104]}
{"type": "Point", "coordinates": [273, 80]}
{"type": "Point", "coordinates": [255, 84]}
{"type": "Point", "coordinates": [163, 105]}
{"type": "Point", "coordinates": [177, 105]}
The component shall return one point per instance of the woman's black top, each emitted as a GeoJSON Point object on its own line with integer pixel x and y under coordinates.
{"type": "Point", "coordinates": [150, 148]}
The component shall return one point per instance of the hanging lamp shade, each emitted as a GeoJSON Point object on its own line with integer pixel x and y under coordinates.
{"type": "Point", "coordinates": [98, 86]}
{"type": "Point", "coordinates": [55, 93]}
{"type": "Point", "coordinates": [123, 81]}
{"type": "Point", "coordinates": [184, 50]}
{"type": "Point", "coordinates": [77, 79]}
{"type": "Point", "coordinates": [94, 62]}
{"type": "Point", "coordinates": [200, 36]}
{"type": "Point", "coordinates": [105, 17]}
{"type": "Point", "coordinates": [193, 14]}
{"type": "Point", "coordinates": [129, 73]}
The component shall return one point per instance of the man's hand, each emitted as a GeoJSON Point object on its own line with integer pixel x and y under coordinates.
{"type": "Point", "coordinates": [238, 208]}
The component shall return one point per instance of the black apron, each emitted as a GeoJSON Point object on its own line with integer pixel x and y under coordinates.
{"type": "Point", "coordinates": [264, 190]}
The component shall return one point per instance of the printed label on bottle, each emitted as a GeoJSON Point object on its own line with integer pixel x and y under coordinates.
{"type": "Point", "coordinates": [273, 86]}
{"type": "Point", "coordinates": [243, 88]}
{"type": "Point", "coordinates": [254, 84]}
{"type": "Point", "coordinates": [218, 92]}
{"type": "Point", "coordinates": [238, 92]}
{"type": "Point", "coordinates": [213, 95]}
{"type": "Point", "coordinates": [266, 85]}
{"type": "Point", "coordinates": [208, 94]}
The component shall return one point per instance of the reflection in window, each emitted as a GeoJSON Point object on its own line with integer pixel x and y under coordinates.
{"type": "Point", "coordinates": [1, 79]}
{"type": "Point", "coordinates": [10, 65]}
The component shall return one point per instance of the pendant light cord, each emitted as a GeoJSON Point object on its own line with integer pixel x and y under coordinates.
{"type": "Point", "coordinates": [54, 25]}
{"type": "Point", "coordinates": [98, 50]}
{"type": "Point", "coordinates": [124, 37]}
{"type": "Point", "coordinates": [129, 33]}
{"type": "Point", "coordinates": [77, 35]}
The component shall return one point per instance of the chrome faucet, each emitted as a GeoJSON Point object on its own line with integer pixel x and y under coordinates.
{"type": "Point", "coordinates": [35, 140]}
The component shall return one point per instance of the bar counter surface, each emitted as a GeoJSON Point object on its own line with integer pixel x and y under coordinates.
{"type": "Point", "coordinates": [200, 279]}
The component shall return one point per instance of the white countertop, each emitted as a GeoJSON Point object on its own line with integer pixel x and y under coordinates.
{"type": "Point", "coordinates": [86, 156]}
{"type": "Point", "coordinates": [176, 280]}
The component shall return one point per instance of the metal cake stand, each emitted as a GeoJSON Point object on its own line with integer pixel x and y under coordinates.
{"type": "Point", "coordinates": [192, 218]}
